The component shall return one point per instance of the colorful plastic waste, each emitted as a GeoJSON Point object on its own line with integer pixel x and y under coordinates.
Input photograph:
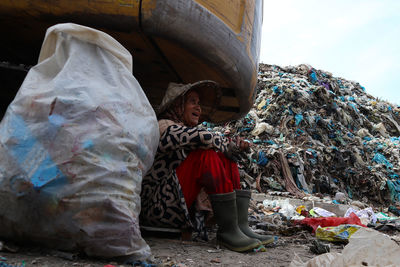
{"type": "Point", "coordinates": [329, 221]}
{"type": "Point", "coordinates": [320, 212]}
{"type": "Point", "coordinates": [366, 215]}
{"type": "Point", "coordinates": [333, 134]}
{"type": "Point", "coordinates": [382, 217]}
{"type": "Point", "coordinates": [340, 233]}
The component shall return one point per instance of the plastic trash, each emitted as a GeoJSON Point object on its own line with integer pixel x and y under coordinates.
{"type": "Point", "coordinates": [329, 221]}
{"type": "Point", "coordinates": [261, 128]}
{"type": "Point", "coordinates": [366, 215]}
{"type": "Point", "coordinates": [320, 212]}
{"type": "Point", "coordinates": [366, 247]}
{"type": "Point", "coordinates": [301, 209]}
{"type": "Point", "coordinates": [262, 160]}
{"type": "Point", "coordinates": [382, 217]}
{"type": "Point", "coordinates": [285, 208]}
{"type": "Point", "coordinates": [340, 233]}
{"type": "Point", "coordinates": [74, 145]}
{"type": "Point", "coordinates": [333, 127]}
{"type": "Point", "coordinates": [340, 197]}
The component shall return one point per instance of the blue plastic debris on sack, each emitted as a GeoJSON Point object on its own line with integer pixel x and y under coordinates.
{"type": "Point", "coordinates": [262, 160]}
{"type": "Point", "coordinates": [379, 158]}
{"type": "Point", "coordinates": [4, 264]}
{"type": "Point", "coordinates": [298, 118]}
{"type": "Point", "coordinates": [342, 98]}
{"type": "Point", "coordinates": [363, 88]}
{"type": "Point", "coordinates": [367, 138]}
{"type": "Point", "coordinates": [42, 169]}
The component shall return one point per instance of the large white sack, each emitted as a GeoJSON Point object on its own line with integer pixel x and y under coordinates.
{"type": "Point", "coordinates": [74, 146]}
{"type": "Point", "coordinates": [366, 247]}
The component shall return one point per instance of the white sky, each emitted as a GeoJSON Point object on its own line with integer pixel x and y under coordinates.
{"type": "Point", "coordinates": [358, 40]}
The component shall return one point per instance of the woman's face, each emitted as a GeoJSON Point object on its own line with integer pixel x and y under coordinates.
{"type": "Point", "coordinates": [192, 109]}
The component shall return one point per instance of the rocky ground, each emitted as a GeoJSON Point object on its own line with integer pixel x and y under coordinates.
{"type": "Point", "coordinates": [169, 251]}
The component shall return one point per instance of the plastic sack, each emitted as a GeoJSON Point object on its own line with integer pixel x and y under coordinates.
{"type": "Point", "coordinates": [74, 145]}
{"type": "Point", "coordinates": [366, 247]}
{"type": "Point", "coordinates": [340, 233]}
{"type": "Point", "coordinates": [329, 221]}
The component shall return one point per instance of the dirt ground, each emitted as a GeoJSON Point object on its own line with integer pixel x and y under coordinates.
{"type": "Point", "coordinates": [171, 251]}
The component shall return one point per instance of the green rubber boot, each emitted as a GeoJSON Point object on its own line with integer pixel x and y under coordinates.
{"type": "Point", "coordinates": [229, 234]}
{"type": "Point", "coordinates": [242, 202]}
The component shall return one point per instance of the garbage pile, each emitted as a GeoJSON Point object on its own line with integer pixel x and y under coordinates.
{"type": "Point", "coordinates": [316, 134]}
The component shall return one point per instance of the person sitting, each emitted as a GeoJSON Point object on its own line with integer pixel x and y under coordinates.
{"type": "Point", "coordinates": [190, 159]}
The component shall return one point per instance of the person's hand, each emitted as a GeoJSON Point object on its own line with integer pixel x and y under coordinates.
{"type": "Point", "coordinates": [232, 152]}
{"type": "Point", "coordinates": [244, 145]}
{"type": "Point", "coordinates": [237, 145]}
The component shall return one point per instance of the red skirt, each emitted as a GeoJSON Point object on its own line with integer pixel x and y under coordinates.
{"type": "Point", "coordinates": [208, 169]}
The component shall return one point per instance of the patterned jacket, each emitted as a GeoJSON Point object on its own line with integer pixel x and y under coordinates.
{"type": "Point", "coordinates": [163, 204]}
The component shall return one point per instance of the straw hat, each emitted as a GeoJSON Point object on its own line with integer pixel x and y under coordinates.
{"type": "Point", "coordinates": [209, 94]}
